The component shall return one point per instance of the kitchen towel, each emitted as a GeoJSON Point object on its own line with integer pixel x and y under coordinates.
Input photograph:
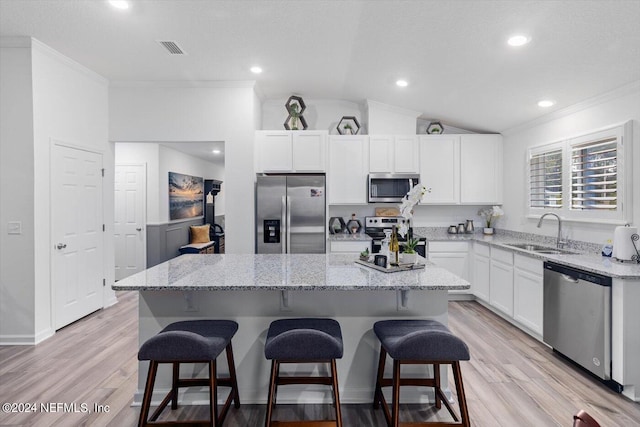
{"type": "Point", "coordinates": [622, 244]}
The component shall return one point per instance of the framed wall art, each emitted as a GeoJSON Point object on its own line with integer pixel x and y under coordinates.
{"type": "Point", "coordinates": [186, 196]}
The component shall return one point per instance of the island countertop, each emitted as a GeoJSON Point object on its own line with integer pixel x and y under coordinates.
{"type": "Point", "coordinates": [283, 272]}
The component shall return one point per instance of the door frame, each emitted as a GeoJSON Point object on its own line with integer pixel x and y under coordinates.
{"type": "Point", "coordinates": [144, 205]}
{"type": "Point", "coordinates": [53, 142]}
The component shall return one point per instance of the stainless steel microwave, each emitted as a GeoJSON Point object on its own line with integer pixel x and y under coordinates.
{"type": "Point", "coordinates": [390, 187]}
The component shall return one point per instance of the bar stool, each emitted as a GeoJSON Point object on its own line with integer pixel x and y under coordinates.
{"type": "Point", "coordinates": [419, 342]}
{"type": "Point", "coordinates": [191, 341]}
{"type": "Point", "coordinates": [303, 341]}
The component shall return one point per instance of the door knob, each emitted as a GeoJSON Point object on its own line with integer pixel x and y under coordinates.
{"type": "Point", "coordinates": [61, 245]}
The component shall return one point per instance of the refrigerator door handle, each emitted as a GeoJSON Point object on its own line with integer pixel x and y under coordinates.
{"type": "Point", "coordinates": [288, 224]}
{"type": "Point", "coordinates": [283, 225]}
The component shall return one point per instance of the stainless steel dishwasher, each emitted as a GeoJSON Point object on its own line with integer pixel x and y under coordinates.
{"type": "Point", "coordinates": [577, 318]}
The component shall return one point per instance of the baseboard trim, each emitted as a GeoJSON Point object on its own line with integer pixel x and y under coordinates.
{"type": "Point", "coordinates": [110, 302]}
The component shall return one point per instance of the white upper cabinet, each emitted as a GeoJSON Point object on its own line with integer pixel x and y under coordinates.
{"type": "Point", "coordinates": [481, 169]}
{"type": "Point", "coordinates": [274, 151]}
{"type": "Point", "coordinates": [348, 169]}
{"type": "Point", "coordinates": [291, 151]}
{"type": "Point", "coordinates": [440, 169]}
{"type": "Point", "coordinates": [393, 154]}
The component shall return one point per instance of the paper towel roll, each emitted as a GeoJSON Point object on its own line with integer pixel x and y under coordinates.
{"type": "Point", "coordinates": [622, 245]}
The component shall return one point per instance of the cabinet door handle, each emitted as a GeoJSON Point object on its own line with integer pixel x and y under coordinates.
{"type": "Point", "coordinates": [138, 229]}
{"type": "Point", "coordinates": [61, 245]}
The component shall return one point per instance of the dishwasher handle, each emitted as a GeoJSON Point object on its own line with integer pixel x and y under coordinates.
{"type": "Point", "coordinates": [569, 278]}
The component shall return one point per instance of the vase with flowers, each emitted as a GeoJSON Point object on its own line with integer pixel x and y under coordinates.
{"type": "Point", "coordinates": [490, 216]}
{"type": "Point", "coordinates": [411, 199]}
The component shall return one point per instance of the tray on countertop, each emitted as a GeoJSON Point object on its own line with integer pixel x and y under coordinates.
{"type": "Point", "coordinates": [392, 269]}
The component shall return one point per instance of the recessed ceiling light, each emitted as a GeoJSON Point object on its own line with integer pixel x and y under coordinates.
{"type": "Point", "coordinates": [545, 103]}
{"type": "Point", "coordinates": [256, 70]}
{"type": "Point", "coordinates": [518, 40]}
{"type": "Point", "coordinates": [216, 151]}
{"type": "Point", "coordinates": [402, 83]}
{"type": "Point", "coordinates": [119, 4]}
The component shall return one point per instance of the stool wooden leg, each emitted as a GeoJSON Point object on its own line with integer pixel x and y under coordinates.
{"type": "Point", "coordinates": [336, 395]}
{"type": "Point", "coordinates": [377, 394]}
{"type": "Point", "coordinates": [213, 394]}
{"type": "Point", "coordinates": [148, 391]}
{"type": "Point", "coordinates": [272, 391]}
{"type": "Point", "coordinates": [462, 400]}
{"type": "Point", "coordinates": [436, 377]}
{"type": "Point", "coordinates": [395, 407]}
{"type": "Point", "coordinates": [174, 385]}
{"type": "Point", "coordinates": [232, 375]}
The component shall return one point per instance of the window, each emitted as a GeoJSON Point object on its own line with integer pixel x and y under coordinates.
{"type": "Point", "coordinates": [583, 178]}
{"type": "Point", "coordinates": [545, 179]}
{"type": "Point", "coordinates": [594, 175]}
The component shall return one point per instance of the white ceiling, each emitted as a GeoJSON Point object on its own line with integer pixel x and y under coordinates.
{"type": "Point", "coordinates": [202, 150]}
{"type": "Point", "coordinates": [453, 53]}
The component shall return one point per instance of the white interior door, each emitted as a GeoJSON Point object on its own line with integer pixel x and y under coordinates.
{"type": "Point", "coordinates": [77, 233]}
{"type": "Point", "coordinates": [130, 220]}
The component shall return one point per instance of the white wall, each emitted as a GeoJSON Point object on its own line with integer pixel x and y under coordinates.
{"type": "Point", "coordinates": [320, 114]}
{"type": "Point", "coordinates": [70, 105]}
{"type": "Point", "coordinates": [204, 111]}
{"type": "Point", "coordinates": [160, 161]}
{"type": "Point", "coordinates": [606, 110]}
{"type": "Point", "coordinates": [45, 97]}
{"type": "Point", "coordinates": [388, 119]}
{"type": "Point", "coordinates": [17, 277]}
{"type": "Point", "coordinates": [174, 161]}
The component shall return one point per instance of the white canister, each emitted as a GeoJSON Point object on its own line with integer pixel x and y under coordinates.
{"type": "Point", "coordinates": [622, 245]}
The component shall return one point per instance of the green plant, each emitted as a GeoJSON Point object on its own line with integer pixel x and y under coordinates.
{"type": "Point", "coordinates": [348, 126]}
{"type": "Point", "coordinates": [293, 111]}
{"type": "Point", "coordinates": [365, 253]}
{"type": "Point", "coordinates": [410, 246]}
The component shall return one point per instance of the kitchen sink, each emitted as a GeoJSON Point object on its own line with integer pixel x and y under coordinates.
{"type": "Point", "coordinates": [539, 249]}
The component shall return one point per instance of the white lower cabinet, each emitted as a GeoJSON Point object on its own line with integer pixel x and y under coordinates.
{"type": "Point", "coordinates": [454, 256]}
{"type": "Point", "coordinates": [511, 284]}
{"type": "Point", "coordinates": [501, 281]}
{"type": "Point", "coordinates": [528, 292]}
{"type": "Point", "coordinates": [480, 280]}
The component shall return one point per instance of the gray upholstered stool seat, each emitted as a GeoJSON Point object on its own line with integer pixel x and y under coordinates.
{"type": "Point", "coordinates": [305, 340]}
{"type": "Point", "coordinates": [415, 341]}
{"type": "Point", "coordinates": [420, 340]}
{"type": "Point", "coordinates": [191, 341]}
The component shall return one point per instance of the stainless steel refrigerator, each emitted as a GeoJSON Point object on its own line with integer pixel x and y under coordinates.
{"type": "Point", "coordinates": [290, 214]}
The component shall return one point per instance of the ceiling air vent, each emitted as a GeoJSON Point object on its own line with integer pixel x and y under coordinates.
{"type": "Point", "coordinates": [172, 47]}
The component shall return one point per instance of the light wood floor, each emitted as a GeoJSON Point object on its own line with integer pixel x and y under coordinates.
{"type": "Point", "coordinates": [512, 380]}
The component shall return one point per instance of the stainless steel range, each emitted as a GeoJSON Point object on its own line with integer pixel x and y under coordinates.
{"type": "Point", "coordinates": [374, 227]}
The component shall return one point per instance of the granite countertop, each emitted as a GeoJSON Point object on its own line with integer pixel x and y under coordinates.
{"type": "Point", "coordinates": [587, 256]}
{"type": "Point", "coordinates": [344, 237]}
{"type": "Point", "coordinates": [283, 272]}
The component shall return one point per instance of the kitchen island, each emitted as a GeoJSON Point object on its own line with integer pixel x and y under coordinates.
{"type": "Point", "coordinates": [254, 290]}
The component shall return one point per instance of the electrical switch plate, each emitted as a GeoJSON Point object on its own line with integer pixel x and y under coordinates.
{"type": "Point", "coordinates": [14, 227]}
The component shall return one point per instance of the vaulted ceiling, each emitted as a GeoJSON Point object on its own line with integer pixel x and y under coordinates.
{"type": "Point", "coordinates": [453, 54]}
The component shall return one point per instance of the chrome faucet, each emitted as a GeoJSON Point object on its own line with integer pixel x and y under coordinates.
{"type": "Point", "coordinates": [559, 241]}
